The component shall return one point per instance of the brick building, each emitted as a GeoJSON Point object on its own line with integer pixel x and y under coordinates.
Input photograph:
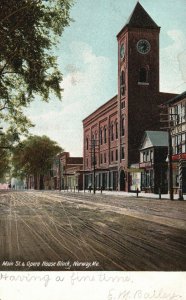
{"type": "Point", "coordinates": [112, 133]}
{"type": "Point", "coordinates": [177, 124]}
{"type": "Point", "coordinates": [65, 173]}
{"type": "Point", "coordinates": [71, 175]}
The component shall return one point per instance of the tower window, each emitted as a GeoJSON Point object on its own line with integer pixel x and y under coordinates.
{"type": "Point", "coordinates": [122, 83]}
{"type": "Point", "coordinates": [143, 75]}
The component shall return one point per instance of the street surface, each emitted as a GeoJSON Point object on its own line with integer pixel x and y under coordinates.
{"type": "Point", "coordinates": [76, 231]}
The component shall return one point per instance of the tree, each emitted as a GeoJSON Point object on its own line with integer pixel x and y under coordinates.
{"type": "Point", "coordinates": [29, 30]}
{"type": "Point", "coordinates": [34, 156]}
{"type": "Point", "coordinates": [7, 141]}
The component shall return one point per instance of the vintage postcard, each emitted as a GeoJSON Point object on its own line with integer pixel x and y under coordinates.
{"type": "Point", "coordinates": [93, 149]}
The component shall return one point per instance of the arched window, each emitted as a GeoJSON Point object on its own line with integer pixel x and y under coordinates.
{"type": "Point", "coordinates": [143, 75]}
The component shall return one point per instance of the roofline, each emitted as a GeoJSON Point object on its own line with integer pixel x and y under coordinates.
{"type": "Point", "coordinates": [127, 26]}
{"type": "Point", "coordinates": [175, 99]}
{"type": "Point", "coordinates": [100, 107]}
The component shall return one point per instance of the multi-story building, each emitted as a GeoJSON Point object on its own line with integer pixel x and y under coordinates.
{"type": "Point", "coordinates": [112, 133]}
{"type": "Point", "coordinates": [177, 125]}
{"type": "Point", "coordinates": [71, 171]}
{"type": "Point", "coordinates": [65, 173]}
{"type": "Point", "coordinates": [153, 161]}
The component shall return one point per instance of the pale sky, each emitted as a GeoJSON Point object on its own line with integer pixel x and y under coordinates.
{"type": "Point", "coordinates": [87, 56]}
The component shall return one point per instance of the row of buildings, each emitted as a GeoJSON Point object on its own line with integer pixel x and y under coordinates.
{"type": "Point", "coordinates": [125, 142]}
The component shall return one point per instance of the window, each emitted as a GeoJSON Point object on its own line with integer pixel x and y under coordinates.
{"type": "Point", "coordinates": [112, 155]}
{"type": "Point", "coordinates": [101, 158]}
{"type": "Point", "coordinates": [147, 156]}
{"type": "Point", "coordinates": [122, 104]}
{"type": "Point", "coordinates": [116, 154]}
{"type": "Point", "coordinates": [151, 155]}
{"type": "Point", "coordinates": [101, 137]}
{"type": "Point", "coordinates": [122, 126]}
{"type": "Point", "coordinates": [122, 82]}
{"type": "Point", "coordinates": [183, 142]}
{"type": "Point", "coordinates": [143, 75]}
{"type": "Point", "coordinates": [87, 143]}
{"type": "Point", "coordinates": [144, 156]}
{"type": "Point", "coordinates": [122, 153]}
{"type": "Point", "coordinates": [105, 158]}
{"type": "Point", "coordinates": [112, 132]}
{"type": "Point", "coordinates": [87, 162]}
{"type": "Point", "coordinates": [105, 135]}
{"type": "Point", "coordinates": [116, 130]}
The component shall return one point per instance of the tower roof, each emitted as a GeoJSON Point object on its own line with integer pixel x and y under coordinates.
{"type": "Point", "coordinates": [139, 18]}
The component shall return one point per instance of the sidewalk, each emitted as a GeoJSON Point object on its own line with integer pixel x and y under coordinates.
{"type": "Point", "coordinates": [131, 194]}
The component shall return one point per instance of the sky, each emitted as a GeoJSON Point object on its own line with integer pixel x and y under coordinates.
{"type": "Point", "coordinates": [87, 57]}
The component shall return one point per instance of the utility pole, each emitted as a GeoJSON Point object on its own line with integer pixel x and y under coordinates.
{"type": "Point", "coordinates": [59, 174]}
{"type": "Point", "coordinates": [93, 156]}
{"type": "Point", "coordinates": [170, 165]}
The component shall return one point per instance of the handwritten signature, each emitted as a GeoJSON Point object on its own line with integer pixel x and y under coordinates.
{"type": "Point", "coordinates": [143, 295]}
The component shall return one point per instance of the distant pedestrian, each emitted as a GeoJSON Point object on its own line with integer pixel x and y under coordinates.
{"type": "Point", "coordinates": [90, 188]}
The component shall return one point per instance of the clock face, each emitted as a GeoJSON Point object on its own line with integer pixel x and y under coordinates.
{"type": "Point", "coordinates": [122, 51]}
{"type": "Point", "coordinates": [143, 46]}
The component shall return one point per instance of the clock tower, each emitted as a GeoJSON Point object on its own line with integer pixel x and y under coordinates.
{"type": "Point", "coordinates": [138, 87]}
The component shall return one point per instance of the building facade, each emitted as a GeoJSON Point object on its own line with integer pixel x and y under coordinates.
{"type": "Point", "coordinates": [71, 172]}
{"type": "Point", "coordinates": [153, 162]}
{"type": "Point", "coordinates": [65, 173]}
{"type": "Point", "coordinates": [177, 126]}
{"type": "Point", "coordinates": [113, 133]}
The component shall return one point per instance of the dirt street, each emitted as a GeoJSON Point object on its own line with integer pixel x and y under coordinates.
{"type": "Point", "coordinates": [76, 231]}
